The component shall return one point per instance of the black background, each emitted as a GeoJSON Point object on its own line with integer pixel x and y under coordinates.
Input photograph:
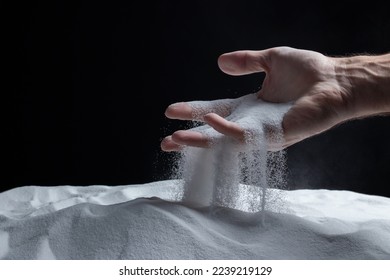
{"type": "Point", "coordinates": [89, 82]}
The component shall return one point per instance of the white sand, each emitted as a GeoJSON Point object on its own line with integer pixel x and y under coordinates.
{"type": "Point", "coordinates": [144, 222]}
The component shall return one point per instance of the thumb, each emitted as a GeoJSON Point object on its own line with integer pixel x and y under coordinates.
{"type": "Point", "coordinates": [243, 62]}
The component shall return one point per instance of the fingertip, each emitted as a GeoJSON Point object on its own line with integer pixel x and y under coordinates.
{"type": "Point", "coordinates": [180, 136]}
{"type": "Point", "coordinates": [168, 145]}
{"type": "Point", "coordinates": [180, 110]}
{"type": "Point", "coordinates": [170, 110]}
{"type": "Point", "coordinates": [210, 116]}
{"type": "Point", "coordinates": [164, 143]}
{"type": "Point", "coordinates": [214, 120]}
{"type": "Point", "coordinates": [224, 126]}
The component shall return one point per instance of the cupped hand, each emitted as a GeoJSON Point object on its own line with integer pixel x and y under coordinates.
{"type": "Point", "coordinates": [304, 79]}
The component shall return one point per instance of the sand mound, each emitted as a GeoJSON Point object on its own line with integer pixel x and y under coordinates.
{"type": "Point", "coordinates": [144, 222]}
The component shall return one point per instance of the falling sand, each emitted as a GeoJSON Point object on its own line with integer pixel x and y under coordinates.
{"type": "Point", "coordinates": [212, 175]}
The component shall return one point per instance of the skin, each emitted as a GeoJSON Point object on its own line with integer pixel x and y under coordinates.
{"type": "Point", "coordinates": [325, 91]}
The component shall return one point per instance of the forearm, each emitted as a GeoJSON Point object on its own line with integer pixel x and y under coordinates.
{"type": "Point", "coordinates": [367, 80]}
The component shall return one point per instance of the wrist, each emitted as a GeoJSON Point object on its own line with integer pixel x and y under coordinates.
{"type": "Point", "coordinates": [366, 80]}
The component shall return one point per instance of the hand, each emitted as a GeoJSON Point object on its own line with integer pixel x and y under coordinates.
{"type": "Point", "coordinates": [306, 79]}
{"type": "Point", "coordinates": [244, 120]}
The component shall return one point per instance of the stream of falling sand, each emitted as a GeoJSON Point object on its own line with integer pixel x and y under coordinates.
{"type": "Point", "coordinates": [212, 175]}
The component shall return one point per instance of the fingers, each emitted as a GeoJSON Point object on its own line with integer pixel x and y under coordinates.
{"type": "Point", "coordinates": [179, 111]}
{"type": "Point", "coordinates": [244, 62]}
{"type": "Point", "coordinates": [238, 133]}
{"type": "Point", "coordinates": [225, 127]}
{"type": "Point", "coordinates": [196, 110]}
{"type": "Point", "coordinates": [168, 145]}
{"type": "Point", "coordinates": [182, 138]}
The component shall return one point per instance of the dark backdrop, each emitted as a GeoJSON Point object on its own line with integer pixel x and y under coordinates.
{"type": "Point", "coordinates": [90, 81]}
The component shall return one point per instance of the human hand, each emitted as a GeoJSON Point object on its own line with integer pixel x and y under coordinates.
{"type": "Point", "coordinates": [306, 79]}
{"type": "Point", "coordinates": [244, 120]}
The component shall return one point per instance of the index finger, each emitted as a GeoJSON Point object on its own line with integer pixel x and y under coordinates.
{"type": "Point", "coordinates": [179, 111]}
{"type": "Point", "coordinates": [196, 110]}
